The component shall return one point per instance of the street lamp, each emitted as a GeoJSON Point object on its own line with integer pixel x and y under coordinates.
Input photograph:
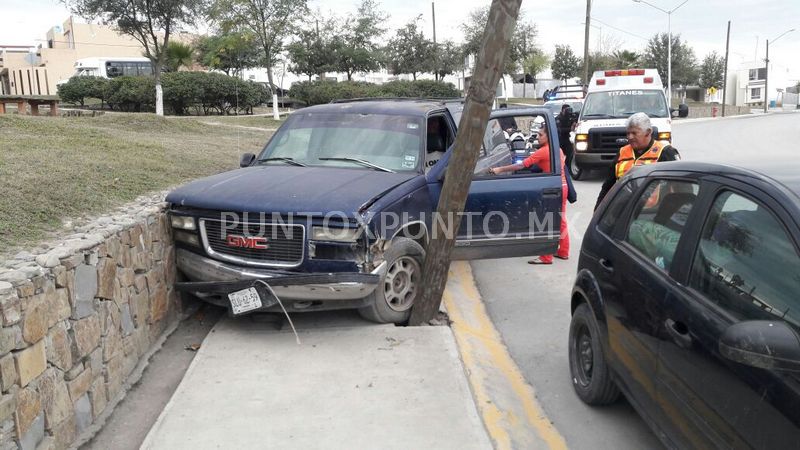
{"type": "Point", "coordinates": [766, 71]}
{"type": "Point", "coordinates": [669, 43]}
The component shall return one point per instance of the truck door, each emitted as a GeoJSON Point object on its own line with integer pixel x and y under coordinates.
{"type": "Point", "coordinates": [515, 214]}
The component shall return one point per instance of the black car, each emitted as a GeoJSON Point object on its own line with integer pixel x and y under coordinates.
{"type": "Point", "coordinates": [687, 300]}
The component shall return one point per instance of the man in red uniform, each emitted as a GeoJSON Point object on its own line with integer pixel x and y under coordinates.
{"type": "Point", "coordinates": [541, 158]}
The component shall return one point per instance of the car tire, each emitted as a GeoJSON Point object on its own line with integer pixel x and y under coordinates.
{"type": "Point", "coordinates": [575, 171]}
{"type": "Point", "coordinates": [588, 367]}
{"type": "Point", "coordinates": [397, 290]}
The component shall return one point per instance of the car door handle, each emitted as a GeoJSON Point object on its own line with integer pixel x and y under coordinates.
{"type": "Point", "coordinates": [550, 193]}
{"type": "Point", "coordinates": [606, 264]}
{"type": "Point", "coordinates": [679, 333]}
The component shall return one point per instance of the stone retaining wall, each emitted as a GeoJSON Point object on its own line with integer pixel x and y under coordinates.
{"type": "Point", "coordinates": [77, 317]}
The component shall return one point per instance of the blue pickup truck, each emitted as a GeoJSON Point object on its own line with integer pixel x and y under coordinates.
{"type": "Point", "coordinates": [337, 209]}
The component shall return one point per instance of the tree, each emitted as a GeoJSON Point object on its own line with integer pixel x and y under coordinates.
{"type": "Point", "coordinates": [712, 71]}
{"type": "Point", "coordinates": [229, 52]}
{"type": "Point", "coordinates": [625, 59]}
{"type": "Point", "coordinates": [179, 55]}
{"type": "Point", "coordinates": [491, 56]}
{"type": "Point", "coordinates": [598, 61]}
{"type": "Point", "coordinates": [269, 21]}
{"type": "Point", "coordinates": [536, 63]}
{"type": "Point", "coordinates": [409, 51]}
{"type": "Point", "coordinates": [448, 58]}
{"type": "Point", "coordinates": [684, 63]}
{"type": "Point", "coordinates": [150, 22]}
{"type": "Point", "coordinates": [357, 49]}
{"type": "Point", "coordinates": [565, 64]}
{"type": "Point", "coordinates": [522, 42]}
{"type": "Point", "coordinates": [315, 50]}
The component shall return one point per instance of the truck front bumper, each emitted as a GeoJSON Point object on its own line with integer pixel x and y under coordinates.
{"type": "Point", "coordinates": [212, 280]}
{"type": "Point", "coordinates": [594, 160]}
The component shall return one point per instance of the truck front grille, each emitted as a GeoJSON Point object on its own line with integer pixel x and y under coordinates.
{"type": "Point", "coordinates": [604, 140]}
{"type": "Point", "coordinates": [253, 243]}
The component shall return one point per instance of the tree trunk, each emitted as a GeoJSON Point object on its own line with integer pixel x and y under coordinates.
{"type": "Point", "coordinates": [414, 75]}
{"type": "Point", "coordinates": [488, 69]}
{"type": "Point", "coordinates": [159, 93]}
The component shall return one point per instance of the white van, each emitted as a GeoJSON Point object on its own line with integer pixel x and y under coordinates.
{"type": "Point", "coordinates": [111, 67]}
{"type": "Point", "coordinates": [613, 96]}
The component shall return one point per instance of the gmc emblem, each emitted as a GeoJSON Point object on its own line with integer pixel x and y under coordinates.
{"type": "Point", "coordinates": [259, 243]}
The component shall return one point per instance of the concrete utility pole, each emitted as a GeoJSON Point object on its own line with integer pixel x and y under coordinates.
{"type": "Point", "coordinates": [586, 43]}
{"type": "Point", "coordinates": [488, 69]}
{"type": "Point", "coordinates": [436, 50]}
{"type": "Point", "coordinates": [725, 76]}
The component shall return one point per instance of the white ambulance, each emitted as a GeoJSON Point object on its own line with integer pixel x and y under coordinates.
{"type": "Point", "coordinates": [613, 96]}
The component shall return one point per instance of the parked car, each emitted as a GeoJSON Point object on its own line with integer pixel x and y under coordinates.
{"type": "Point", "coordinates": [336, 210]}
{"type": "Point", "coordinates": [686, 301]}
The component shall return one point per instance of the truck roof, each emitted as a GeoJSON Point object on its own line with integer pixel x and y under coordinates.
{"type": "Point", "coordinates": [618, 79]}
{"type": "Point", "coordinates": [405, 106]}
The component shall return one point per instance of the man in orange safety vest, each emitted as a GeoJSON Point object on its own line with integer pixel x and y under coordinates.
{"type": "Point", "coordinates": [642, 149]}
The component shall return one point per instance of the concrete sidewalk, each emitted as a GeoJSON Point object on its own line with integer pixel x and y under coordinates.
{"type": "Point", "coordinates": [350, 384]}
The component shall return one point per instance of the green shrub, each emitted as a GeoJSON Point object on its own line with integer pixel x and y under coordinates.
{"type": "Point", "coordinates": [182, 90]}
{"type": "Point", "coordinates": [78, 89]}
{"type": "Point", "coordinates": [317, 92]}
{"type": "Point", "coordinates": [132, 93]}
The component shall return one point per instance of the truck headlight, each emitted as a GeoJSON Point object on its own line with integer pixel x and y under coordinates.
{"type": "Point", "coordinates": [182, 222]}
{"type": "Point", "coordinates": [665, 136]}
{"type": "Point", "coordinates": [334, 234]}
{"type": "Point", "coordinates": [581, 146]}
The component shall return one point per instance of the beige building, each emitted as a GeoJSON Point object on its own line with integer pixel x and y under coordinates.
{"type": "Point", "coordinates": [54, 60]}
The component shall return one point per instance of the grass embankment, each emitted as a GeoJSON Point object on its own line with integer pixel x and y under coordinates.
{"type": "Point", "coordinates": [70, 167]}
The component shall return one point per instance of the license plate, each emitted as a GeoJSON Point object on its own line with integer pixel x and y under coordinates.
{"type": "Point", "coordinates": [245, 300]}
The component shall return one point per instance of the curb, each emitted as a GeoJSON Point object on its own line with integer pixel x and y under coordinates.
{"type": "Point", "coordinates": [506, 402]}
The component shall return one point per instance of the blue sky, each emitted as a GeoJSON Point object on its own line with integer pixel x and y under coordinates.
{"type": "Point", "coordinates": [702, 23]}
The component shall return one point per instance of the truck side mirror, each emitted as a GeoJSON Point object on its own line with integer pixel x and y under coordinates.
{"type": "Point", "coordinates": [246, 159]}
{"type": "Point", "coordinates": [683, 110]}
{"type": "Point", "coordinates": [768, 344]}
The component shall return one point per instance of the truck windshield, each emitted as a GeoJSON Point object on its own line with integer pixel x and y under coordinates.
{"type": "Point", "coordinates": [390, 142]}
{"type": "Point", "coordinates": [621, 104]}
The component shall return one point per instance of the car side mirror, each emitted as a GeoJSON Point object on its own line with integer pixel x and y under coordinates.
{"type": "Point", "coordinates": [683, 111]}
{"type": "Point", "coordinates": [246, 159]}
{"type": "Point", "coordinates": [766, 344]}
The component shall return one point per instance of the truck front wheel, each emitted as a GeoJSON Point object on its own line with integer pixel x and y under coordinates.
{"type": "Point", "coordinates": [574, 170]}
{"type": "Point", "coordinates": [398, 289]}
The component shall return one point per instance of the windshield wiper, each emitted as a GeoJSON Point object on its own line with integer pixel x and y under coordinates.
{"type": "Point", "coordinates": [359, 161]}
{"type": "Point", "coordinates": [283, 159]}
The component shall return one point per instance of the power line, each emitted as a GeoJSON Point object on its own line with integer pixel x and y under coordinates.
{"type": "Point", "coordinates": [620, 30]}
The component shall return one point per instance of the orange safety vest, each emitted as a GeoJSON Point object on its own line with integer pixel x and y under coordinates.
{"type": "Point", "coordinates": [627, 158]}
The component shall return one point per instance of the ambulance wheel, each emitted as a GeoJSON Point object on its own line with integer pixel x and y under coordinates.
{"type": "Point", "coordinates": [400, 286]}
{"type": "Point", "coordinates": [574, 170]}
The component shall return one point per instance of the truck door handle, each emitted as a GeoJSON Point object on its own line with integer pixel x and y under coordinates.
{"type": "Point", "coordinates": [606, 264]}
{"type": "Point", "coordinates": [550, 193]}
{"type": "Point", "coordinates": [679, 333]}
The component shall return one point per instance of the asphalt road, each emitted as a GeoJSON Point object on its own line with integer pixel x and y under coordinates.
{"type": "Point", "coordinates": [530, 304]}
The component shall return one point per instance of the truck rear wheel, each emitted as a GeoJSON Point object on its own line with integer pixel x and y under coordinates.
{"type": "Point", "coordinates": [399, 288]}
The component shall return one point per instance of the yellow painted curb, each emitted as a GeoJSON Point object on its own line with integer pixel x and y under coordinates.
{"type": "Point", "coordinates": [507, 403]}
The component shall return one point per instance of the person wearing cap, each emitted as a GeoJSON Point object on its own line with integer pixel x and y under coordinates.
{"type": "Point", "coordinates": [641, 149]}
{"type": "Point", "coordinates": [541, 158]}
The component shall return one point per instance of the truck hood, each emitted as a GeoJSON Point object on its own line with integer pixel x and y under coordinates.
{"type": "Point", "coordinates": [287, 189]}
